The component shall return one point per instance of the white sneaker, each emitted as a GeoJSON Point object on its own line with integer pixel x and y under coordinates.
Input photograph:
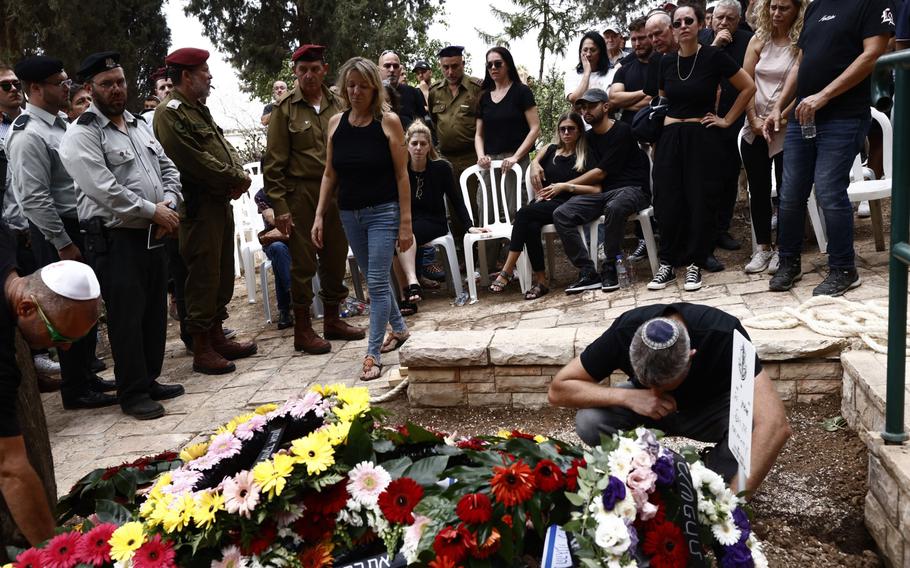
{"type": "Point", "coordinates": [863, 211]}
{"type": "Point", "coordinates": [693, 279]}
{"type": "Point", "coordinates": [759, 261]}
{"type": "Point", "coordinates": [774, 263]}
{"type": "Point", "coordinates": [45, 365]}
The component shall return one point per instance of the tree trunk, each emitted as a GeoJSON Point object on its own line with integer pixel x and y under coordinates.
{"type": "Point", "coordinates": [30, 414]}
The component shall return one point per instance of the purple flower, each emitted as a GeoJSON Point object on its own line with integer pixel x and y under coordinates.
{"type": "Point", "coordinates": [663, 467]}
{"type": "Point", "coordinates": [741, 520]}
{"type": "Point", "coordinates": [633, 537]}
{"type": "Point", "coordinates": [615, 491]}
{"type": "Point", "coordinates": [737, 556]}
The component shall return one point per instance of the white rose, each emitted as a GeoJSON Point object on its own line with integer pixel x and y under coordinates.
{"type": "Point", "coordinates": [612, 535]}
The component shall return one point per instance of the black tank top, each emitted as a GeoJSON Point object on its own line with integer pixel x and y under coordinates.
{"type": "Point", "coordinates": [363, 162]}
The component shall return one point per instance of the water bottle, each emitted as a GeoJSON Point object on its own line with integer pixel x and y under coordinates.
{"type": "Point", "coordinates": [808, 129]}
{"type": "Point", "coordinates": [622, 272]}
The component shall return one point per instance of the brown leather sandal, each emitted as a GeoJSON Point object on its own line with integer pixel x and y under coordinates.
{"type": "Point", "coordinates": [371, 369]}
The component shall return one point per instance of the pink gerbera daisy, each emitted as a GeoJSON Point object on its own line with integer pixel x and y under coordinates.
{"type": "Point", "coordinates": [60, 552]}
{"type": "Point", "coordinates": [241, 494]}
{"type": "Point", "coordinates": [224, 446]}
{"type": "Point", "coordinates": [366, 481]}
{"type": "Point", "coordinates": [230, 558]}
{"type": "Point", "coordinates": [30, 558]}
{"type": "Point", "coordinates": [300, 406]}
{"type": "Point", "coordinates": [94, 547]}
{"type": "Point", "coordinates": [155, 553]}
{"type": "Point", "coordinates": [246, 430]}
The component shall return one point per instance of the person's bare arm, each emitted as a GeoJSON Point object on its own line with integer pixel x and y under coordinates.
{"type": "Point", "coordinates": [23, 492]}
{"type": "Point", "coordinates": [787, 97]}
{"type": "Point", "coordinates": [621, 98]}
{"type": "Point", "coordinates": [391, 124]}
{"type": "Point", "coordinates": [743, 83]}
{"type": "Point", "coordinates": [533, 119]}
{"type": "Point", "coordinates": [327, 187]}
{"type": "Point", "coordinates": [770, 431]}
{"type": "Point", "coordinates": [753, 54]}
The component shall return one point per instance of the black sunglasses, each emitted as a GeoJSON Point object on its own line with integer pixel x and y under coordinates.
{"type": "Point", "coordinates": [688, 20]}
{"type": "Point", "coordinates": [8, 85]}
{"type": "Point", "coordinates": [391, 65]}
{"type": "Point", "coordinates": [496, 64]}
{"type": "Point", "coordinates": [567, 129]}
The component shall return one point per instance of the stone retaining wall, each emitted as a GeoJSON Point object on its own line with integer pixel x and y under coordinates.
{"type": "Point", "coordinates": [515, 367]}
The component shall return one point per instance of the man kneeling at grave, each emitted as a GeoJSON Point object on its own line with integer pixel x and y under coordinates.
{"type": "Point", "coordinates": [679, 359]}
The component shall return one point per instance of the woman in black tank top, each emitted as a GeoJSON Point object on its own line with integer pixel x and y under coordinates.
{"type": "Point", "coordinates": [366, 162]}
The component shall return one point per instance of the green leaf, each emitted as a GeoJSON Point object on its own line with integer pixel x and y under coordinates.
{"type": "Point", "coordinates": [397, 467]}
{"type": "Point", "coordinates": [575, 499]}
{"type": "Point", "coordinates": [428, 470]}
{"type": "Point", "coordinates": [418, 434]}
{"type": "Point", "coordinates": [110, 512]}
{"type": "Point", "coordinates": [125, 483]}
{"type": "Point", "coordinates": [359, 447]}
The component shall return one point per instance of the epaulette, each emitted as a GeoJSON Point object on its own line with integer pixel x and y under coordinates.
{"type": "Point", "coordinates": [286, 94]}
{"type": "Point", "coordinates": [476, 81]}
{"type": "Point", "coordinates": [86, 118]}
{"type": "Point", "coordinates": [20, 122]}
{"type": "Point", "coordinates": [438, 84]}
{"type": "Point", "coordinates": [174, 104]}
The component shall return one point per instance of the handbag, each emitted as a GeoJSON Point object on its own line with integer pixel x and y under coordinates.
{"type": "Point", "coordinates": [270, 236]}
{"type": "Point", "coordinates": [649, 121]}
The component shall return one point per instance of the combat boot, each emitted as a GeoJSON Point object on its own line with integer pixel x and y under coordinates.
{"type": "Point", "coordinates": [205, 359]}
{"type": "Point", "coordinates": [228, 348]}
{"type": "Point", "coordinates": [305, 339]}
{"type": "Point", "coordinates": [336, 328]}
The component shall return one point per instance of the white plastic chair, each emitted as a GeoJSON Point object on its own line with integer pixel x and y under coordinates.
{"type": "Point", "coordinates": [447, 242]}
{"type": "Point", "coordinates": [493, 209]}
{"type": "Point", "coordinates": [316, 308]}
{"type": "Point", "coordinates": [247, 224]}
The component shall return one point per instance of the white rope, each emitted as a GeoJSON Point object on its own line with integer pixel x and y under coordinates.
{"type": "Point", "coordinates": [833, 317]}
{"type": "Point", "coordinates": [391, 394]}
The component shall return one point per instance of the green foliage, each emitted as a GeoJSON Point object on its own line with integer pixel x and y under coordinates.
{"type": "Point", "coordinates": [260, 35]}
{"type": "Point", "coordinates": [135, 28]}
{"type": "Point", "coordinates": [551, 102]}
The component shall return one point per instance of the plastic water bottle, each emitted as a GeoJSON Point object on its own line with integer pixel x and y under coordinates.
{"type": "Point", "coordinates": [808, 129]}
{"type": "Point", "coordinates": [622, 272]}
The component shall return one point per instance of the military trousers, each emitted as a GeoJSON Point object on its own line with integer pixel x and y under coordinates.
{"type": "Point", "coordinates": [134, 287]}
{"type": "Point", "coordinates": [461, 162]}
{"type": "Point", "coordinates": [207, 248]}
{"type": "Point", "coordinates": [306, 259]}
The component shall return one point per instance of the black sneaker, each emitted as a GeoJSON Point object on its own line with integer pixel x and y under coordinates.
{"type": "Point", "coordinates": [712, 264]}
{"type": "Point", "coordinates": [586, 281]}
{"type": "Point", "coordinates": [693, 278]}
{"type": "Point", "coordinates": [788, 273]}
{"type": "Point", "coordinates": [665, 275]}
{"type": "Point", "coordinates": [608, 279]}
{"type": "Point", "coordinates": [838, 281]}
{"type": "Point", "coordinates": [640, 253]}
{"type": "Point", "coordinates": [726, 241]}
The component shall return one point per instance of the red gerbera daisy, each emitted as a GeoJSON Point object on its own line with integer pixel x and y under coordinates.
{"type": "Point", "coordinates": [397, 502]}
{"type": "Point", "coordinates": [30, 558]}
{"type": "Point", "coordinates": [453, 543]}
{"type": "Point", "coordinates": [60, 552]}
{"type": "Point", "coordinates": [93, 547]}
{"type": "Point", "coordinates": [489, 546]}
{"type": "Point", "coordinates": [475, 444]}
{"type": "Point", "coordinates": [328, 501]}
{"type": "Point", "coordinates": [548, 477]}
{"type": "Point", "coordinates": [572, 473]}
{"type": "Point", "coordinates": [317, 556]}
{"type": "Point", "coordinates": [155, 553]}
{"type": "Point", "coordinates": [507, 520]}
{"type": "Point", "coordinates": [520, 434]}
{"type": "Point", "coordinates": [665, 546]}
{"type": "Point", "coordinates": [474, 508]}
{"type": "Point", "coordinates": [314, 527]}
{"type": "Point", "coordinates": [442, 562]}
{"type": "Point", "coordinates": [264, 538]}
{"type": "Point", "coordinates": [514, 484]}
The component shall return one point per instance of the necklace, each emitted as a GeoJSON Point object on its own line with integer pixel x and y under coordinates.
{"type": "Point", "coordinates": [692, 70]}
{"type": "Point", "coordinates": [420, 179]}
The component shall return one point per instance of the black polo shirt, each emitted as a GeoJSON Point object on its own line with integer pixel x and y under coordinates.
{"type": "Point", "coordinates": [9, 371]}
{"type": "Point", "coordinates": [412, 104]}
{"type": "Point", "coordinates": [632, 74]}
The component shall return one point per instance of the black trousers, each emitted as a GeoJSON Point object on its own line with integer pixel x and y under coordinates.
{"type": "Point", "coordinates": [758, 169]}
{"type": "Point", "coordinates": [729, 164]}
{"type": "Point", "coordinates": [75, 362]}
{"type": "Point", "coordinates": [134, 286]}
{"type": "Point", "coordinates": [687, 185]}
{"type": "Point", "coordinates": [529, 220]}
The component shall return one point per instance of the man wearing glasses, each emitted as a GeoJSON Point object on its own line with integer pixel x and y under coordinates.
{"type": "Point", "coordinates": [128, 192]}
{"type": "Point", "coordinates": [10, 109]}
{"type": "Point", "coordinates": [412, 104]}
{"type": "Point", "coordinates": [47, 196]}
{"type": "Point", "coordinates": [51, 307]}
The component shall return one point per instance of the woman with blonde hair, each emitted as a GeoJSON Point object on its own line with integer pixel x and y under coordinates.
{"type": "Point", "coordinates": [366, 163]}
{"type": "Point", "coordinates": [770, 55]}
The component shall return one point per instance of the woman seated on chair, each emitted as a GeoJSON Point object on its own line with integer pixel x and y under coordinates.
{"type": "Point", "coordinates": [561, 162]}
{"type": "Point", "coordinates": [432, 181]}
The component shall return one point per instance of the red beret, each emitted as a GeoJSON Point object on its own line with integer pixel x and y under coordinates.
{"type": "Point", "coordinates": [187, 56]}
{"type": "Point", "coordinates": [309, 52]}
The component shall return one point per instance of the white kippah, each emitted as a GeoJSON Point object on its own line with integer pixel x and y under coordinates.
{"type": "Point", "coordinates": [72, 280]}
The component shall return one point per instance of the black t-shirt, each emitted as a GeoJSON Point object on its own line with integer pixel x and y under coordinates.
{"type": "Point", "coordinates": [9, 371]}
{"type": "Point", "coordinates": [412, 105]}
{"type": "Point", "coordinates": [710, 334]}
{"type": "Point", "coordinates": [267, 109]}
{"type": "Point", "coordinates": [504, 124]}
{"type": "Point", "coordinates": [651, 75]}
{"type": "Point", "coordinates": [620, 157]}
{"type": "Point", "coordinates": [695, 96]}
{"type": "Point", "coordinates": [832, 38]}
{"type": "Point", "coordinates": [438, 182]}
{"type": "Point", "coordinates": [560, 169]}
{"type": "Point", "coordinates": [736, 49]}
{"type": "Point", "coordinates": [632, 74]}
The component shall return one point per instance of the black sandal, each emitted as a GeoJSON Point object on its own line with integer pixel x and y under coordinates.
{"type": "Point", "coordinates": [406, 308]}
{"type": "Point", "coordinates": [413, 293]}
{"type": "Point", "coordinates": [502, 280]}
{"type": "Point", "coordinates": [536, 291]}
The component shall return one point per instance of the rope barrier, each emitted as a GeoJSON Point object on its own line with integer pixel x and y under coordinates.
{"type": "Point", "coordinates": [391, 394]}
{"type": "Point", "coordinates": [833, 317]}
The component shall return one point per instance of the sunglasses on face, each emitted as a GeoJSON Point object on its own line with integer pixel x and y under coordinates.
{"type": "Point", "coordinates": [688, 21]}
{"type": "Point", "coordinates": [391, 65]}
{"type": "Point", "coordinates": [62, 83]}
{"type": "Point", "coordinates": [9, 85]}
{"type": "Point", "coordinates": [495, 64]}
{"type": "Point", "coordinates": [55, 335]}
{"type": "Point", "coordinates": [567, 129]}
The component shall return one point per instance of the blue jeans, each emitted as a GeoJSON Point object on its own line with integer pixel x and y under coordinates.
{"type": "Point", "coordinates": [825, 161]}
{"type": "Point", "coordinates": [280, 256]}
{"type": "Point", "coordinates": [371, 233]}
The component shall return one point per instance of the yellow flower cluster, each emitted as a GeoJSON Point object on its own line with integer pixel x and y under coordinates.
{"type": "Point", "coordinates": [271, 475]}
{"type": "Point", "coordinates": [176, 512]}
{"type": "Point", "coordinates": [126, 540]}
{"type": "Point", "coordinates": [193, 451]}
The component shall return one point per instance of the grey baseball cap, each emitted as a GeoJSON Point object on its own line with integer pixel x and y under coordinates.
{"type": "Point", "coordinates": [595, 96]}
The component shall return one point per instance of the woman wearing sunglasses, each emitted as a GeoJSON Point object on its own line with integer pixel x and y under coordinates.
{"type": "Point", "coordinates": [592, 71]}
{"type": "Point", "coordinates": [687, 182]}
{"type": "Point", "coordinates": [561, 162]}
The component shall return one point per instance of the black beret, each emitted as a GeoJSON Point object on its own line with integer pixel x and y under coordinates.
{"type": "Point", "coordinates": [37, 68]}
{"type": "Point", "coordinates": [97, 63]}
{"type": "Point", "coordinates": [451, 51]}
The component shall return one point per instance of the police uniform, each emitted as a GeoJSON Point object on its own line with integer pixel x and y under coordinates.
{"type": "Point", "coordinates": [47, 197]}
{"type": "Point", "coordinates": [210, 169]}
{"type": "Point", "coordinates": [120, 177]}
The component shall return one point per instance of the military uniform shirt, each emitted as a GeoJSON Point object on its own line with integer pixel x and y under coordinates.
{"type": "Point", "coordinates": [42, 186]}
{"type": "Point", "coordinates": [296, 144]}
{"type": "Point", "coordinates": [120, 176]}
{"type": "Point", "coordinates": [455, 117]}
{"type": "Point", "coordinates": [11, 212]}
{"type": "Point", "coordinates": [208, 163]}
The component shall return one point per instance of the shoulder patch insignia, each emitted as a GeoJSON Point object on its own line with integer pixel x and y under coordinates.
{"type": "Point", "coordinates": [21, 121]}
{"type": "Point", "coordinates": [86, 118]}
{"type": "Point", "coordinates": [173, 103]}
{"type": "Point", "coordinates": [476, 81]}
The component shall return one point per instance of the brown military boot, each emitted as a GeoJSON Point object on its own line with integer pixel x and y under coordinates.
{"type": "Point", "coordinates": [205, 359]}
{"type": "Point", "coordinates": [228, 348]}
{"type": "Point", "coordinates": [305, 339]}
{"type": "Point", "coordinates": [336, 328]}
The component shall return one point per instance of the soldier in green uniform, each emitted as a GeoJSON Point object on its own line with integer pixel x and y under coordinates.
{"type": "Point", "coordinates": [453, 108]}
{"type": "Point", "coordinates": [293, 165]}
{"type": "Point", "coordinates": [211, 175]}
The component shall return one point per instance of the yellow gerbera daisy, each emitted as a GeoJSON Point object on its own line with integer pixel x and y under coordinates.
{"type": "Point", "coordinates": [179, 514]}
{"type": "Point", "coordinates": [272, 475]}
{"type": "Point", "coordinates": [504, 434]}
{"type": "Point", "coordinates": [208, 504]}
{"type": "Point", "coordinates": [349, 412]}
{"type": "Point", "coordinates": [229, 427]}
{"type": "Point", "coordinates": [315, 451]}
{"type": "Point", "coordinates": [354, 395]}
{"type": "Point", "coordinates": [326, 390]}
{"type": "Point", "coordinates": [266, 408]}
{"type": "Point", "coordinates": [337, 433]}
{"type": "Point", "coordinates": [125, 540]}
{"type": "Point", "coordinates": [193, 451]}
{"type": "Point", "coordinates": [540, 439]}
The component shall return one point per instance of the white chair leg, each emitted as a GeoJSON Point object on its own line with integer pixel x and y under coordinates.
{"type": "Point", "coordinates": [551, 256]}
{"type": "Point", "coordinates": [592, 242]}
{"type": "Point", "coordinates": [523, 268]}
{"type": "Point", "coordinates": [469, 267]}
{"type": "Point", "coordinates": [249, 273]}
{"type": "Point", "coordinates": [648, 232]}
{"type": "Point", "coordinates": [316, 307]}
{"type": "Point", "coordinates": [454, 272]}
{"type": "Point", "coordinates": [264, 284]}
{"type": "Point", "coordinates": [818, 223]}
{"type": "Point", "coordinates": [355, 279]}
{"type": "Point", "coordinates": [482, 263]}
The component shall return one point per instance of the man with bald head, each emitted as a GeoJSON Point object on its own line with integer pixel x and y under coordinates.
{"type": "Point", "coordinates": [279, 88]}
{"type": "Point", "coordinates": [412, 104]}
{"type": "Point", "coordinates": [659, 30]}
{"type": "Point", "coordinates": [51, 308]}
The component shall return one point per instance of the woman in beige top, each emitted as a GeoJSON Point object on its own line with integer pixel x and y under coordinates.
{"type": "Point", "coordinates": [769, 57]}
